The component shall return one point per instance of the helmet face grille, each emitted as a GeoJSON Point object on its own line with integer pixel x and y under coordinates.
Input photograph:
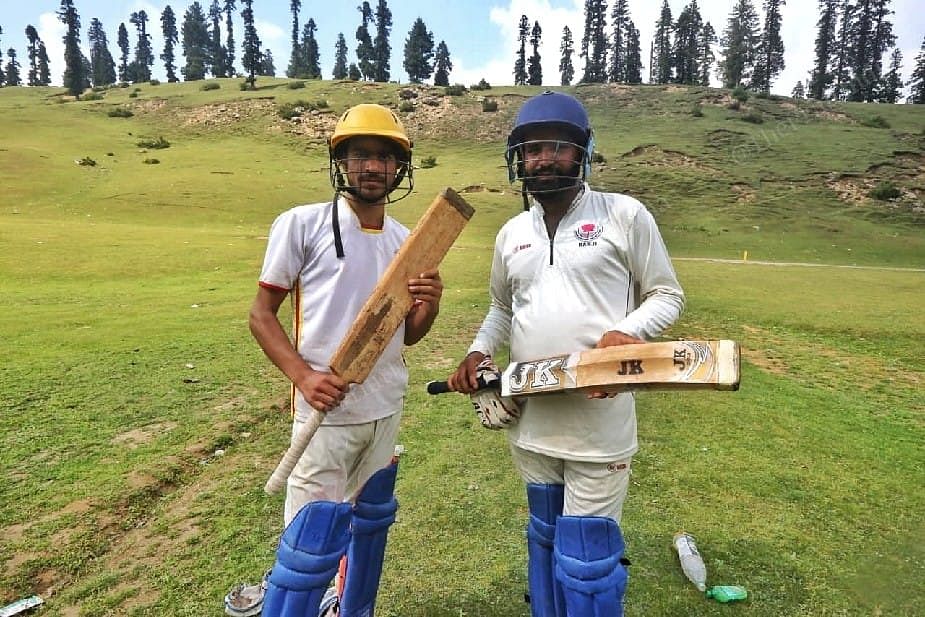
{"type": "Point", "coordinates": [551, 110]}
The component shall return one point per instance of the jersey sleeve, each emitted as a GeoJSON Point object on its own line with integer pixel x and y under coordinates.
{"type": "Point", "coordinates": [662, 299]}
{"type": "Point", "coordinates": [285, 253]}
{"type": "Point", "coordinates": [495, 330]}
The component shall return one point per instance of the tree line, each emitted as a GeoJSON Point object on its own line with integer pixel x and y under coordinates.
{"type": "Point", "coordinates": [852, 37]}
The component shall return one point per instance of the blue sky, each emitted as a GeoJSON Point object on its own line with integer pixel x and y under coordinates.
{"type": "Point", "coordinates": [480, 34]}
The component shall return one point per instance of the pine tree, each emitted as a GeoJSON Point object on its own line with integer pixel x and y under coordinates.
{"type": "Point", "coordinates": [144, 58]}
{"type": "Point", "coordinates": [566, 47]}
{"type": "Point", "coordinates": [821, 77]}
{"type": "Point", "coordinates": [229, 38]}
{"type": "Point", "coordinates": [686, 57]}
{"type": "Point", "coordinates": [194, 36]}
{"type": "Point", "coordinates": [32, 36]}
{"type": "Point", "coordinates": [353, 73]}
{"type": "Point", "coordinates": [770, 53]}
{"type": "Point", "coordinates": [74, 72]}
{"type": "Point", "coordinates": [661, 42]}
{"type": "Point", "coordinates": [295, 57]}
{"type": "Point", "coordinates": [442, 65]}
{"type": "Point", "coordinates": [520, 63]}
{"type": "Point", "coordinates": [633, 54]}
{"type": "Point", "coordinates": [340, 57]}
{"type": "Point", "coordinates": [419, 52]}
{"type": "Point", "coordinates": [12, 69]}
{"type": "Point", "coordinates": [870, 35]}
{"type": "Point", "coordinates": [535, 63]}
{"type": "Point", "coordinates": [917, 83]}
{"type": "Point", "coordinates": [382, 50]}
{"type": "Point", "coordinates": [707, 57]}
{"type": "Point", "coordinates": [798, 91]}
{"type": "Point", "coordinates": [267, 68]}
{"type": "Point", "coordinates": [739, 45]}
{"type": "Point", "coordinates": [2, 75]}
{"type": "Point", "coordinates": [841, 73]}
{"type": "Point", "coordinates": [102, 66]}
{"type": "Point", "coordinates": [251, 57]}
{"type": "Point", "coordinates": [619, 16]}
{"type": "Point", "coordinates": [44, 70]}
{"type": "Point", "coordinates": [311, 56]}
{"type": "Point", "coordinates": [893, 80]}
{"type": "Point", "coordinates": [171, 38]}
{"type": "Point", "coordinates": [122, 42]}
{"type": "Point", "coordinates": [365, 54]}
{"type": "Point", "coordinates": [594, 43]}
{"type": "Point", "coordinates": [216, 49]}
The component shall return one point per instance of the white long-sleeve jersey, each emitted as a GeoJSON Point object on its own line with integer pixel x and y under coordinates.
{"type": "Point", "coordinates": [606, 268]}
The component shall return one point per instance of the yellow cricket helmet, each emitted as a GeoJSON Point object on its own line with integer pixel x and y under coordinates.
{"type": "Point", "coordinates": [369, 119]}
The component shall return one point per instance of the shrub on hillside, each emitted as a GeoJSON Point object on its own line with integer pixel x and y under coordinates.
{"type": "Point", "coordinates": [754, 117]}
{"type": "Point", "coordinates": [295, 85]}
{"type": "Point", "coordinates": [740, 94]}
{"type": "Point", "coordinates": [159, 143]}
{"type": "Point", "coordinates": [211, 85]}
{"type": "Point", "coordinates": [120, 112]}
{"type": "Point", "coordinates": [885, 191]}
{"type": "Point", "coordinates": [151, 162]}
{"type": "Point", "coordinates": [428, 161]}
{"type": "Point", "coordinates": [86, 162]}
{"type": "Point", "coordinates": [155, 82]}
{"type": "Point", "coordinates": [697, 110]}
{"type": "Point", "coordinates": [489, 105]}
{"type": "Point", "coordinates": [405, 107]}
{"type": "Point", "coordinates": [482, 85]}
{"type": "Point", "coordinates": [288, 111]}
{"type": "Point", "coordinates": [597, 157]}
{"type": "Point", "coordinates": [454, 90]}
{"type": "Point", "coordinates": [876, 122]}
{"type": "Point", "coordinates": [92, 96]}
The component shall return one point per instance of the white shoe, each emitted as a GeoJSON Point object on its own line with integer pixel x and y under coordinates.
{"type": "Point", "coordinates": [246, 600]}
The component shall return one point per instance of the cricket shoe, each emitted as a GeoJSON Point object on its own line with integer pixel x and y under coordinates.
{"type": "Point", "coordinates": [246, 600]}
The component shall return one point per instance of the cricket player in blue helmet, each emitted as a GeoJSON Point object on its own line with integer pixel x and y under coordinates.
{"type": "Point", "coordinates": [579, 269]}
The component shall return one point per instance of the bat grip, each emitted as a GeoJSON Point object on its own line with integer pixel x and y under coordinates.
{"type": "Point", "coordinates": [281, 474]}
{"type": "Point", "coordinates": [442, 387]}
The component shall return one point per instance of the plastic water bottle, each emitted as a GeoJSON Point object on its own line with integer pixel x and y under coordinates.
{"type": "Point", "coordinates": [691, 561]}
{"type": "Point", "coordinates": [727, 593]}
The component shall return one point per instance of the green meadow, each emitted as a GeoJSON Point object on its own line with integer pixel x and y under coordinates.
{"type": "Point", "coordinates": [140, 420]}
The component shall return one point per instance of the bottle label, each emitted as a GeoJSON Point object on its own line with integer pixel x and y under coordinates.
{"type": "Point", "coordinates": [686, 547]}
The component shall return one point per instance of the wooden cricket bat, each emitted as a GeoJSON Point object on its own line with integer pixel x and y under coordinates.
{"type": "Point", "coordinates": [672, 365]}
{"type": "Point", "coordinates": [385, 310]}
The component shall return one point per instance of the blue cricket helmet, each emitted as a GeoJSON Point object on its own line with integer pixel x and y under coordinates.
{"type": "Point", "coordinates": [555, 109]}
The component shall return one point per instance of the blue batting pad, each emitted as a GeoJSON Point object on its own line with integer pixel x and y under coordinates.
{"type": "Point", "coordinates": [587, 555]}
{"type": "Point", "coordinates": [373, 513]}
{"type": "Point", "coordinates": [307, 559]}
{"type": "Point", "coordinates": [545, 503]}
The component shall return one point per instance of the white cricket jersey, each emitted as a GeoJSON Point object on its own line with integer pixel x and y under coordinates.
{"type": "Point", "coordinates": [607, 268]}
{"type": "Point", "coordinates": [327, 295]}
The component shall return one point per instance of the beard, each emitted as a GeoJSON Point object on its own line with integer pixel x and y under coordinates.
{"type": "Point", "coordinates": [552, 180]}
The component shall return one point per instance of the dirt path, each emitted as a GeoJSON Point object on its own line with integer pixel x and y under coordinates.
{"type": "Point", "coordinates": [794, 263]}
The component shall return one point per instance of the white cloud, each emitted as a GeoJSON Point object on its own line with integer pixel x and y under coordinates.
{"type": "Point", "coordinates": [52, 31]}
{"type": "Point", "coordinates": [500, 70]}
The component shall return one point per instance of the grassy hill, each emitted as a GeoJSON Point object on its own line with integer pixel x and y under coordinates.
{"type": "Point", "coordinates": [141, 420]}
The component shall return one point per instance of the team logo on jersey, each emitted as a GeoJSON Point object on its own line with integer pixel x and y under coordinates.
{"type": "Point", "coordinates": [587, 233]}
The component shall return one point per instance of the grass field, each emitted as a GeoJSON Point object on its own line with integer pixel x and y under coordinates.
{"type": "Point", "coordinates": [141, 420]}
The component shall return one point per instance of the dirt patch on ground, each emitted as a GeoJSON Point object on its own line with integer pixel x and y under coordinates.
{"type": "Point", "coordinates": [143, 435]}
{"type": "Point", "coordinates": [223, 114]}
{"type": "Point", "coordinates": [743, 192]}
{"type": "Point", "coordinates": [654, 155]}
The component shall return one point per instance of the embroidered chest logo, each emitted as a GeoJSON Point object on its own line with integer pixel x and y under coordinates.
{"type": "Point", "coordinates": [587, 233]}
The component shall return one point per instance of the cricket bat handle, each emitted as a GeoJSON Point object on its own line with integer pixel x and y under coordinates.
{"type": "Point", "coordinates": [281, 474]}
{"type": "Point", "coordinates": [442, 387]}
